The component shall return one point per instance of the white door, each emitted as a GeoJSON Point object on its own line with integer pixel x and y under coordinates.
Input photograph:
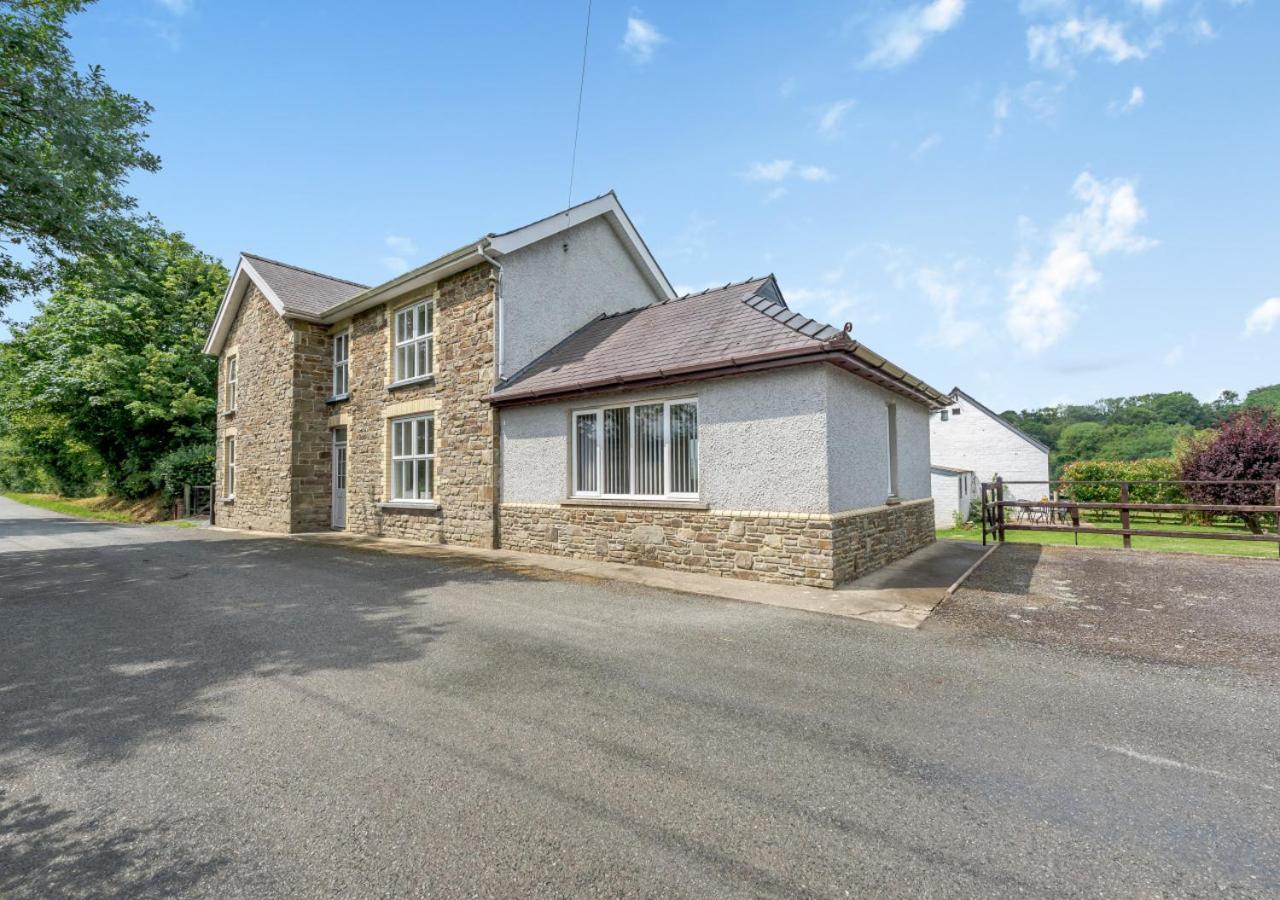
{"type": "Point", "coordinates": [339, 478]}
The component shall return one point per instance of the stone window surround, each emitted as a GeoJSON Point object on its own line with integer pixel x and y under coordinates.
{"type": "Point", "coordinates": [390, 412]}
{"type": "Point", "coordinates": [431, 296]}
{"type": "Point", "coordinates": [336, 395]}
{"type": "Point", "coordinates": [229, 436]}
{"type": "Point", "coordinates": [230, 384]}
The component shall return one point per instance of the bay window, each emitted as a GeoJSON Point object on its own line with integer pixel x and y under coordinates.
{"type": "Point", "coordinates": [413, 455]}
{"type": "Point", "coordinates": [413, 342]}
{"type": "Point", "coordinates": [643, 450]}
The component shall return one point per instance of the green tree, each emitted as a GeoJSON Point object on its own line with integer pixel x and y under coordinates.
{"type": "Point", "coordinates": [68, 143]}
{"type": "Point", "coordinates": [1267, 398]}
{"type": "Point", "coordinates": [115, 355]}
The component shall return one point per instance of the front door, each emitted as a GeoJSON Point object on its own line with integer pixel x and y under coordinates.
{"type": "Point", "coordinates": [339, 478]}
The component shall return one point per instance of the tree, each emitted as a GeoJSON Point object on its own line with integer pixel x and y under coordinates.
{"type": "Point", "coordinates": [1267, 398]}
{"type": "Point", "coordinates": [115, 356]}
{"type": "Point", "coordinates": [68, 143]}
{"type": "Point", "coordinates": [1246, 447]}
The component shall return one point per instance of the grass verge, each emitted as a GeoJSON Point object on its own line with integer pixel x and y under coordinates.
{"type": "Point", "coordinates": [1166, 545]}
{"type": "Point", "coordinates": [102, 509]}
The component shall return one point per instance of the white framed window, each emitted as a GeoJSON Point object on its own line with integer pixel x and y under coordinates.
{"type": "Point", "coordinates": [233, 366]}
{"type": "Point", "coordinates": [341, 364]}
{"type": "Point", "coordinates": [639, 450]}
{"type": "Point", "coordinates": [413, 345]}
{"type": "Point", "coordinates": [229, 467]}
{"type": "Point", "coordinates": [945, 415]}
{"type": "Point", "coordinates": [891, 417]}
{"type": "Point", "coordinates": [413, 456]}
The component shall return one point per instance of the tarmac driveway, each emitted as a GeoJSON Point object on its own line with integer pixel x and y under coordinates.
{"type": "Point", "coordinates": [201, 714]}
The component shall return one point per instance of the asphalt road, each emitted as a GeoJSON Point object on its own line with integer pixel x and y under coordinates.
{"type": "Point", "coordinates": [199, 714]}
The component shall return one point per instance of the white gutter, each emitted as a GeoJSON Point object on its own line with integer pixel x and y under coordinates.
{"type": "Point", "coordinates": [497, 310]}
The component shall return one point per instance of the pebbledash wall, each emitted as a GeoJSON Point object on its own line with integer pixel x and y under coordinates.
{"type": "Point", "coordinates": [778, 452]}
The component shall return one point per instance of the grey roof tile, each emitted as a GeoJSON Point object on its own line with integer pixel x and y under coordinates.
{"type": "Point", "coordinates": [302, 290]}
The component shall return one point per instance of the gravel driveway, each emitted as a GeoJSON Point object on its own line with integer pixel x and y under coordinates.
{"type": "Point", "coordinates": [199, 714]}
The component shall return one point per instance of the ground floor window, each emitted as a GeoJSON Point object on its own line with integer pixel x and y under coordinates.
{"type": "Point", "coordinates": [636, 450]}
{"type": "Point", "coordinates": [413, 454]}
{"type": "Point", "coordinates": [229, 466]}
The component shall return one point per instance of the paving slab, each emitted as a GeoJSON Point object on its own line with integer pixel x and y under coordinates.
{"type": "Point", "coordinates": [902, 594]}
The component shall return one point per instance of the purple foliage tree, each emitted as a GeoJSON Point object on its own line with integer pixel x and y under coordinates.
{"type": "Point", "coordinates": [1245, 448]}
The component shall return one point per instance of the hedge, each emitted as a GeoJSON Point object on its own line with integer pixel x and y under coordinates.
{"type": "Point", "coordinates": [192, 464]}
{"type": "Point", "coordinates": [1165, 469]}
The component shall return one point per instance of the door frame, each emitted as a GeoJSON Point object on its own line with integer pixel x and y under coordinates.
{"type": "Point", "coordinates": [334, 444]}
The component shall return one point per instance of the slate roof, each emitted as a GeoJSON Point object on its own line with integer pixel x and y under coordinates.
{"type": "Point", "coordinates": [302, 290]}
{"type": "Point", "coordinates": [716, 332]}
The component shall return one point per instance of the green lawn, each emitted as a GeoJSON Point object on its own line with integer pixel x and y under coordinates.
{"type": "Point", "coordinates": [1168, 545]}
{"type": "Point", "coordinates": [84, 508]}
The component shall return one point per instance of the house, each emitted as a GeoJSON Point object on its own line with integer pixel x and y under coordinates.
{"type": "Point", "coordinates": [544, 389]}
{"type": "Point", "coordinates": [965, 436]}
{"type": "Point", "coordinates": [954, 491]}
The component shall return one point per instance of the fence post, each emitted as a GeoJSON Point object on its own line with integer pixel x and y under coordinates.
{"type": "Point", "coordinates": [984, 513]}
{"type": "Point", "coordinates": [1000, 508]}
{"type": "Point", "coordinates": [1124, 514]}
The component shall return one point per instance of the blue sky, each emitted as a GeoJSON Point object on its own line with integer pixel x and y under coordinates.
{"type": "Point", "coordinates": [1042, 201]}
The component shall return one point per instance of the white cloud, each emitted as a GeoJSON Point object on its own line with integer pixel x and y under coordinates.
{"type": "Point", "coordinates": [641, 39]}
{"type": "Point", "coordinates": [899, 38]}
{"type": "Point", "coordinates": [401, 248]}
{"type": "Point", "coordinates": [929, 143]}
{"type": "Point", "coordinates": [788, 87]}
{"type": "Point", "coordinates": [1264, 318]}
{"type": "Point", "coordinates": [1053, 46]}
{"type": "Point", "coordinates": [831, 305]}
{"type": "Point", "coordinates": [1150, 6]}
{"type": "Point", "coordinates": [1039, 314]}
{"type": "Point", "coordinates": [829, 122]}
{"type": "Point", "coordinates": [1137, 97]}
{"type": "Point", "coordinates": [779, 170]}
{"type": "Point", "coordinates": [177, 7]}
{"type": "Point", "coordinates": [1174, 356]}
{"type": "Point", "coordinates": [944, 297]}
{"type": "Point", "coordinates": [401, 245]}
{"type": "Point", "coordinates": [395, 264]}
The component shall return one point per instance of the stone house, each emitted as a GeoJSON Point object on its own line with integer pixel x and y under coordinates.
{"type": "Point", "coordinates": [966, 436]}
{"type": "Point", "coordinates": [544, 389]}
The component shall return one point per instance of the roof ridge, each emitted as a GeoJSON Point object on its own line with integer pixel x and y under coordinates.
{"type": "Point", "coordinates": [786, 316]}
{"type": "Point", "coordinates": [301, 269]}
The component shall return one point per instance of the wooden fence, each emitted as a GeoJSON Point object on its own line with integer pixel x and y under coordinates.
{"type": "Point", "coordinates": [1059, 514]}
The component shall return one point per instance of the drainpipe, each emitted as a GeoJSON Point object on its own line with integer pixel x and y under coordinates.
{"type": "Point", "coordinates": [495, 513]}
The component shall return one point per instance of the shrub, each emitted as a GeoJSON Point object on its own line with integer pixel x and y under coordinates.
{"type": "Point", "coordinates": [1165, 469]}
{"type": "Point", "coordinates": [1245, 448]}
{"type": "Point", "coordinates": [192, 464]}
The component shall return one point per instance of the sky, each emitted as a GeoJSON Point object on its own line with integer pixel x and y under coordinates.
{"type": "Point", "coordinates": [1042, 201]}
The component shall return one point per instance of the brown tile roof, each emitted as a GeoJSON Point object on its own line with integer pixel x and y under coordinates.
{"type": "Point", "coordinates": [736, 328]}
{"type": "Point", "coordinates": [302, 290]}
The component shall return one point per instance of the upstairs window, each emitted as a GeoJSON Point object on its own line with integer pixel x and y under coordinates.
{"type": "Point", "coordinates": [412, 332]}
{"type": "Point", "coordinates": [341, 362]}
{"type": "Point", "coordinates": [644, 450]}
{"type": "Point", "coordinates": [232, 367]}
{"type": "Point", "coordinates": [413, 455]}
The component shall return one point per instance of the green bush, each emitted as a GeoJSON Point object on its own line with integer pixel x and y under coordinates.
{"type": "Point", "coordinates": [1165, 469]}
{"type": "Point", "coordinates": [192, 464]}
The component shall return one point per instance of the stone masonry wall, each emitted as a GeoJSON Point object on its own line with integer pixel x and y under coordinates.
{"type": "Point", "coordinates": [262, 421]}
{"type": "Point", "coordinates": [869, 539]}
{"type": "Point", "coordinates": [782, 548]}
{"type": "Point", "coordinates": [464, 423]}
{"type": "Point", "coordinates": [311, 483]}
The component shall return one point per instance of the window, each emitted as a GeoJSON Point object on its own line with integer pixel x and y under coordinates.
{"type": "Point", "coordinates": [232, 366]}
{"type": "Point", "coordinates": [413, 326]}
{"type": "Point", "coordinates": [637, 450]}
{"type": "Point", "coordinates": [945, 415]}
{"type": "Point", "coordinates": [341, 361]}
{"type": "Point", "coordinates": [956, 411]}
{"type": "Point", "coordinates": [892, 415]}
{"type": "Point", "coordinates": [413, 454]}
{"type": "Point", "coordinates": [229, 466]}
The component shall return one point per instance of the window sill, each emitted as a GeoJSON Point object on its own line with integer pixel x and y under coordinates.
{"type": "Point", "coordinates": [228, 413]}
{"type": "Point", "coordinates": [227, 501]}
{"type": "Point", "coordinates": [408, 382]}
{"type": "Point", "coordinates": [426, 505]}
{"type": "Point", "coordinates": [338, 398]}
{"type": "Point", "coordinates": [638, 504]}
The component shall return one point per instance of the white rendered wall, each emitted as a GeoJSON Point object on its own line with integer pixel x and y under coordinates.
{"type": "Point", "coordinates": [549, 292]}
{"type": "Point", "coordinates": [952, 493]}
{"type": "Point", "coordinates": [975, 440]}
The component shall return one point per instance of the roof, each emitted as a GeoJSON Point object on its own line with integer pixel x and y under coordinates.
{"type": "Point", "coordinates": [948, 470]}
{"type": "Point", "coordinates": [737, 328]}
{"type": "Point", "coordinates": [302, 290]}
{"type": "Point", "coordinates": [316, 297]}
{"type": "Point", "coordinates": [956, 392]}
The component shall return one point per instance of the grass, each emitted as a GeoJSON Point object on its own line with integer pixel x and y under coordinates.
{"type": "Point", "coordinates": [1259, 549]}
{"type": "Point", "coordinates": [103, 509]}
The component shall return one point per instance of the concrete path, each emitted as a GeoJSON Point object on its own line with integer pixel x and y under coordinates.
{"type": "Point", "coordinates": [901, 594]}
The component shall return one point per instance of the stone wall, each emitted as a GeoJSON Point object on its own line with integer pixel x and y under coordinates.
{"type": "Point", "coordinates": [262, 421]}
{"type": "Point", "coordinates": [782, 548]}
{"type": "Point", "coordinates": [464, 423]}
{"type": "Point", "coordinates": [869, 539]}
{"type": "Point", "coordinates": [311, 483]}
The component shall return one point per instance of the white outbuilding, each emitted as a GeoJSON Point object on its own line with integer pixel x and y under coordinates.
{"type": "Point", "coordinates": [966, 436]}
